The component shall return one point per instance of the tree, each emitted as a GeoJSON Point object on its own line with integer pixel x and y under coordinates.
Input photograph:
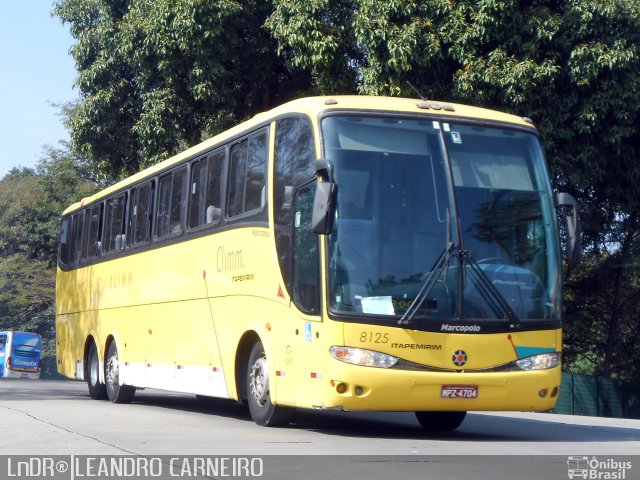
{"type": "Point", "coordinates": [17, 197]}
{"type": "Point", "coordinates": [571, 66]}
{"type": "Point", "coordinates": [31, 203]}
{"type": "Point", "coordinates": [27, 291]}
{"type": "Point", "coordinates": [157, 76]}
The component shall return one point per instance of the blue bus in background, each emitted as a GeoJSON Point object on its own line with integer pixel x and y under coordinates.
{"type": "Point", "coordinates": [20, 355]}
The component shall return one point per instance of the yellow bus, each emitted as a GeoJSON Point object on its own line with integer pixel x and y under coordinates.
{"type": "Point", "coordinates": [348, 252]}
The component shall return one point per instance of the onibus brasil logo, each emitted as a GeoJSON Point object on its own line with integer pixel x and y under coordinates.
{"type": "Point", "coordinates": [597, 469]}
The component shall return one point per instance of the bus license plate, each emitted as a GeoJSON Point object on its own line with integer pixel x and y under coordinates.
{"type": "Point", "coordinates": [459, 391]}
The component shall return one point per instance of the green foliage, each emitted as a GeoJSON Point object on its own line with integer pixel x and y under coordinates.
{"type": "Point", "coordinates": [157, 76]}
{"type": "Point", "coordinates": [31, 203]}
{"type": "Point", "coordinates": [17, 200]}
{"type": "Point", "coordinates": [319, 35]}
{"type": "Point", "coordinates": [27, 292]}
{"type": "Point", "coordinates": [571, 66]}
{"type": "Point", "coordinates": [602, 308]}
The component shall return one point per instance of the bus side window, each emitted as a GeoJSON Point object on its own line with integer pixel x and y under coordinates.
{"type": "Point", "coordinates": [255, 191]}
{"type": "Point", "coordinates": [171, 203]}
{"type": "Point", "coordinates": [205, 191]}
{"type": "Point", "coordinates": [237, 169]}
{"type": "Point", "coordinates": [197, 206]}
{"type": "Point", "coordinates": [294, 157]}
{"type": "Point", "coordinates": [77, 238]}
{"type": "Point", "coordinates": [140, 214]}
{"type": "Point", "coordinates": [306, 260]}
{"type": "Point", "coordinates": [247, 175]}
{"type": "Point", "coordinates": [93, 224]}
{"type": "Point", "coordinates": [213, 198]}
{"type": "Point", "coordinates": [64, 251]}
{"type": "Point", "coordinates": [178, 200]}
{"type": "Point", "coordinates": [114, 224]}
{"type": "Point", "coordinates": [164, 206]}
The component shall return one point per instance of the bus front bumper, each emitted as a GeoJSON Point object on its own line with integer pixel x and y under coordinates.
{"type": "Point", "coordinates": [352, 387]}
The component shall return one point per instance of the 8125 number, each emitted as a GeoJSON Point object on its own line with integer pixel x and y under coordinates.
{"type": "Point", "coordinates": [374, 337]}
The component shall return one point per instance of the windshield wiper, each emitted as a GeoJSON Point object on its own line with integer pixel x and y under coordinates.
{"type": "Point", "coordinates": [429, 283]}
{"type": "Point", "coordinates": [485, 284]}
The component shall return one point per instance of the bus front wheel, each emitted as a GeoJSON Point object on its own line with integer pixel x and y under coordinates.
{"type": "Point", "coordinates": [440, 421]}
{"type": "Point", "coordinates": [97, 390]}
{"type": "Point", "coordinates": [117, 393]}
{"type": "Point", "coordinates": [263, 411]}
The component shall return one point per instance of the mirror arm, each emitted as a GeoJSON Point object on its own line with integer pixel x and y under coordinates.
{"type": "Point", "coordinates": [324, 169]}
{"type": "Point", "coordinates": [563, 199]}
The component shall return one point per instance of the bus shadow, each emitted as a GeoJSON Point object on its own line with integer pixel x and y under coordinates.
{"type": "Point", "coordinates": [190, 403]}
{"type": "Point", "coordinates": [476, 428]}
{"type": "Point", "coordinates": [36, 390]}
{"type": "Point", "coordinates": [396, 425]}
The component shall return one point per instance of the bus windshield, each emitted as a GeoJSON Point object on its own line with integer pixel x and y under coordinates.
{"type": "Point", "coordinates": [464, 208]}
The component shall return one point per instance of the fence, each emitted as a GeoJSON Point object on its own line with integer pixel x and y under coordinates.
{"type": "Point", "coordinates": [596, 397]}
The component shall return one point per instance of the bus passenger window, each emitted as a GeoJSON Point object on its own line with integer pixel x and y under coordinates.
{"type": "Point", "coordinates": [92, 244]}
{"type": "Point", "coordinates": [255, 181]}
{"type": "Point", "coordinates": [235, 204]}
{"type": "Point", "coordinates": [205, 200]}
{"type": "Point", "coordinates": [214, 187]}
{"type": "Point", "coordinates": [114, 224]}
{"type": "Point", "coordinates": [140, 214]}
{"type": "Point", "coordinates": [164, 206]}
{"type": "Point", "coordinates": [197, 207]}
{"type": "Point", "coordinates": [247, 175]}
{"type": "Point", "coordinates": [65, 241]}
{"type": "Point", "coordinates": [78, 237]}
{"type": "Point", "coordinates": [178, 200]}
{"type": "Point", "coordinates": [171, 203]}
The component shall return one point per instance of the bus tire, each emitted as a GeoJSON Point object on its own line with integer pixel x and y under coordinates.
{"type": "Point", "coordinates": [262, 410]}
{"type": "Point", "coordinates": [117, 393]}
{"type": "Point", "coordinates": [97, 390]}
{"type": "Point", "coordinates": [440, 421]}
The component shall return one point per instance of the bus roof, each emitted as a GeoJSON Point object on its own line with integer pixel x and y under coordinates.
{"type": "Point", "coordinates": [22, 335]}
{"type": "Point", "coordinates": [18, 331]}
{"type": "Point", "coordinates": [313, 106]}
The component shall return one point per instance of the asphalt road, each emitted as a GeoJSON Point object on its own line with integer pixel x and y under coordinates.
{"type": "Point", "coordinates": [49, 417]}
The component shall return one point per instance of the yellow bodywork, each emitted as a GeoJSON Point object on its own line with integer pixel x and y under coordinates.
{"type": "Point", "coordinates": [179, 314]}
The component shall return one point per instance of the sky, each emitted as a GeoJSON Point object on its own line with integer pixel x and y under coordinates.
{"type": "Point", "coordinates": [36, 71]}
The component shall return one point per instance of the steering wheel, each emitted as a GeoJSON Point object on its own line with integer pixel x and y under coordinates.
{"type": "Point", "coordinates": [501, 260]}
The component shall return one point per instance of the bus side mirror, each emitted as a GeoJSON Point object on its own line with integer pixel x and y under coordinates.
{"type": "Point", "coordinates": [324, 203]}
{"type": "Point", "coordinates": [573, 228]}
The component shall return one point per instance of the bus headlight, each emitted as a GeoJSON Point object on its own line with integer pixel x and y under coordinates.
{"type": "Point", "coordinates": [360, 356]}
{"type": "Point", "coordinates": [543, 361]}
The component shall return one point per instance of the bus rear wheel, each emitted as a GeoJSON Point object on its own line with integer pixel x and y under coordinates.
{"type": "Point", "coordinates": [263, 411]}
{"type": "Point", "coordinates": [117, 393]}
{"type": "Point", "coordinates": [440, 421]}
{"type": "Point", "coordinates": [97, 390]}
